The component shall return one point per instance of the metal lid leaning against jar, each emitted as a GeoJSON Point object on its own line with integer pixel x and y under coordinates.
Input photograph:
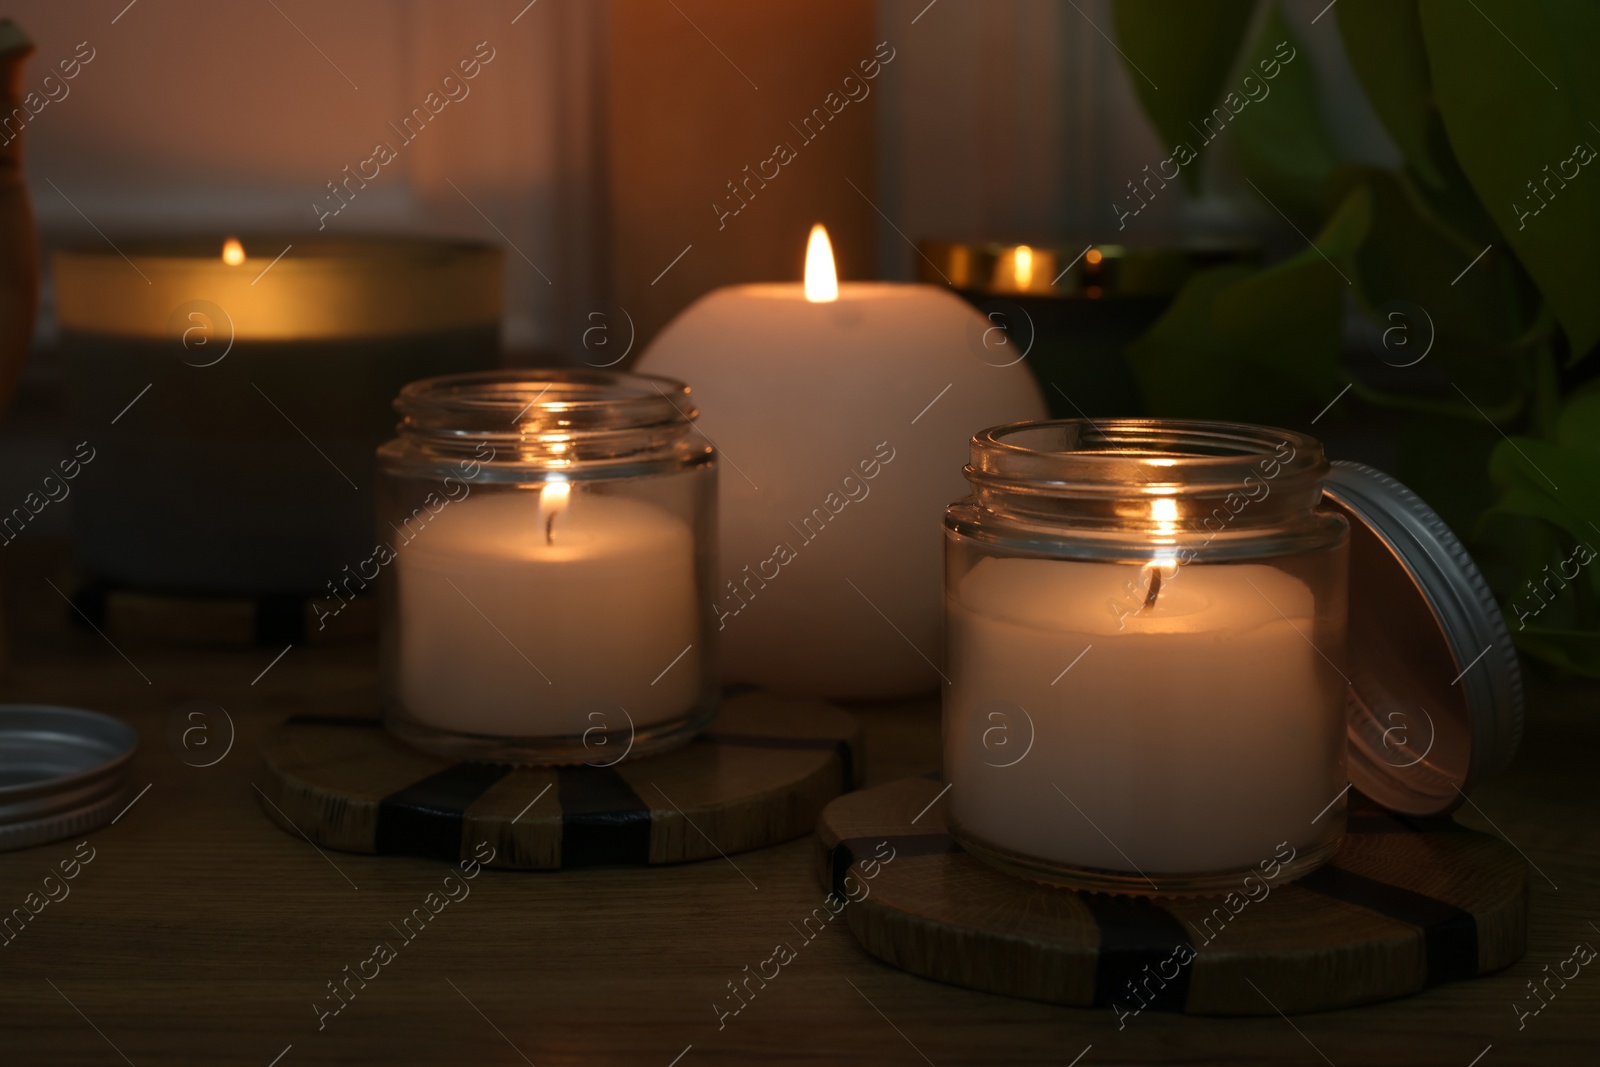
{"type": "Point", "coordinates": [1436, 693]}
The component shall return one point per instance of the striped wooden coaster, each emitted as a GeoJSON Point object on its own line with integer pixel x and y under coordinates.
{"type": "Point", "coordinates": [220, 621]}
{"type": "Point", "coordinates": [1400, 907]}
{"type": "Point", "coordinates": [758, 775]}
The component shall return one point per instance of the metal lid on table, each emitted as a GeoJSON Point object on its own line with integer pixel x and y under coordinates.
{"type": "Point", "coordinates": [1435, 691]}
{"type": "Point", "coordinates": [63, 772]}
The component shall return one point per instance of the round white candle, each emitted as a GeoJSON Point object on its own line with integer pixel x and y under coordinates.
{"type": "Point", "coordinates": [842, 413]}
{"type": "Point", "coordinates": [1193, 736]}
{"type": "Point", "coordinates": [521, 613]}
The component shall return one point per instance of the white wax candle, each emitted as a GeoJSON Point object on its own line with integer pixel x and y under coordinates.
{"type": "Point", "coordinates": [1191, 737]}
{"type": "Point", "coordinates": [844, 418]}
{"type": "Point", "coordinates": [522, 612]}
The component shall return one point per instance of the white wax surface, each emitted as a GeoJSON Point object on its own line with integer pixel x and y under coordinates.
{"type": "Point", "coordinates": [600, 611]}
{"type": "Point", "coordinates": [802, 399]}
{"type": "Point", "coordinates": [1195, 737]}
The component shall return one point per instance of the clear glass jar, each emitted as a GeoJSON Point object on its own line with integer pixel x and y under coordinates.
{"type": "Point", "coordinates": [1144, 635]}
{"type": "Point", "coordinates": [552, 540]}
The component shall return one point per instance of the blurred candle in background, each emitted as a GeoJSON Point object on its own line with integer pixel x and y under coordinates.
{"type": "Point", "coordinates": [1076, 305]}
{"type": "Point", "coordinates": [241, 386]}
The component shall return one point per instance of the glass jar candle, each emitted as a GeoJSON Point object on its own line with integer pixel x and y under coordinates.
{"type": "Point", "coordinates": [1144, 630]}
{"type": "Point", "coordinates": [551, 537]}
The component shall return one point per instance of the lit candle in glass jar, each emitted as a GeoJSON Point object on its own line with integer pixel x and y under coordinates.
{"type": "Point", "coordinates": [1155, 725]}
{"type": "Point", "coordinates": [1176, 733]}
{"type": "Point", "coordinates": [552, 550]}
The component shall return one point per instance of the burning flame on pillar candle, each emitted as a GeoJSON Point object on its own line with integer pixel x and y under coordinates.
{"type": "Point", "coordinates": [822, 280]}
{"type": "Point", "coordinates": [232, 252]}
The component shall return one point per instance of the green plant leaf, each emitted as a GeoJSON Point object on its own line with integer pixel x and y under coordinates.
{"type": "Point", "coordinates": [1409, 255]}
{"type": "Point", "coordinates": [1288, 316]}
{"type": "Point", "coordinates": [1574, 26]}
{"type": "Point", "coordinates": [1280, 140]}
{"type": "Point", "coordinates": [1448, 405]}
{"type": "Point", "coordinates": [1383, 39]}
{"type": "Point", "coordinates": [1442, 457]}
{"type": "Point", "coordinates": [1469, 324]}
{"type": "Point", "coordinates": [1243, 344]}
{"type": "Point", "coordinates": [1185, 48]}
{"type": "Point", "coordinates": [1564, 479]}
{"type": "Point", "coordinates": [1473, 328]}
{"type": "Point", "coordinates": [1186, 368]}
{"type": "Point", "coordinates": [1457, 206]}
{"type": "Point", "coordinates": [1578, 425]}
{"type": "Point", "coordinates": [1516, 85]}
{"type": "Point", "coordinates": [1574, 650]}
{"type": "Point", "coordinates": [1539, 540]}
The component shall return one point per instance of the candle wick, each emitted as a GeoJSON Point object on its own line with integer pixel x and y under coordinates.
{"type": "Point", "coordinates": [1155, 589]}
{"type": "Point", "coordinates": [549, 529]}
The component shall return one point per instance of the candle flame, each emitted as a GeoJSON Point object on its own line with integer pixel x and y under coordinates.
{"type": "Point", "coordinates": [232, 252]}
{"type": "Point", "coordinates": [822, 280]}
{"type": "Point", "coordinates": [553, 497]}
{"type": "Point", "coordinates": [1022, 266]}
{"type": "Point", "coordinates": [1164, 513]}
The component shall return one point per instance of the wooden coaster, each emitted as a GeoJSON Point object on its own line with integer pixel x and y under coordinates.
{"type": "Point", "coordinates": [758, 775]}
{"type": "Point", "coordinates": [217, 621]}
{"type": "Point", "coordinates": [1401, 906]}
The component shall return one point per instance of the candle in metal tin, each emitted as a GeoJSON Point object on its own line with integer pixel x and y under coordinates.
{"type": "Point", "coordinates": [233, 393]}
{"type": "Point", "coordinates": [1072, 307]}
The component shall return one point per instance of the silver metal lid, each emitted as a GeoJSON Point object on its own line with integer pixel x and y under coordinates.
{"type": "Point", "coordinates": [1436, 694]}
{"type": "Point", "coordinates": [63, 772]}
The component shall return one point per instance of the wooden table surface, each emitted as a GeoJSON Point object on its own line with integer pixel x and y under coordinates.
{"type": "Point", "coordinates": [201, 934]}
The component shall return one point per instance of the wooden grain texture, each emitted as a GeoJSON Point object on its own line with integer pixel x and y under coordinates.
{"type": "Point", "coordinates": [759, 774]}
{"type": "Point", "coordinates": [220, 621]}
{"type": "Point", "coordinates": [1401, 906]}
{"type": "Point", "coordinates": [203, 934]}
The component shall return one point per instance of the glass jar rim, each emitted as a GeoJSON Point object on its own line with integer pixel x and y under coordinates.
{"type": "Point", "coordinates": [1122, 455]}
{"type": "Point", "coordinates": [546, 399]}
{"type": "Point", "coordinates": [562, 418]}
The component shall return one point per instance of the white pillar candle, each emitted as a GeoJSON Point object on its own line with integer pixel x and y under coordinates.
{"type": "Point", "coordinates": [842, 414]}
{"type": "Point", "coordinates": [1192, 736]}
{"type": "Point", "coordinates": [523, 612]}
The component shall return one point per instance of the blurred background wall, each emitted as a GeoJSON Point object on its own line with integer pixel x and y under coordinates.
{"type": "Point", "coordinates": [246, 110]}
{"type": "Point", "coordinates": [596, 141]}
{"type": "Point", "coordinates": [606, 143]}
